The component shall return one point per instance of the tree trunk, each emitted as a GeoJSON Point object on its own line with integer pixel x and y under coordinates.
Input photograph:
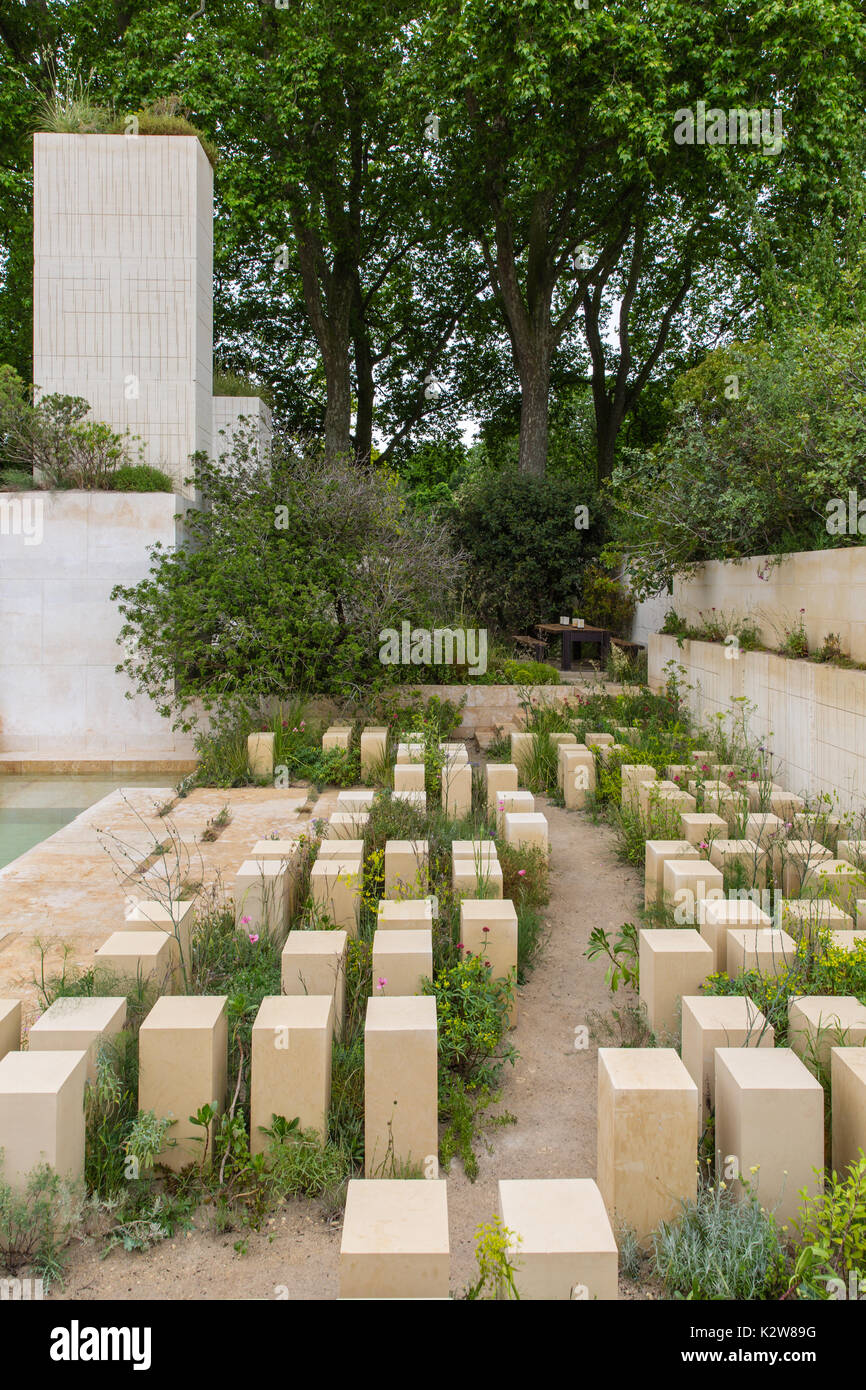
{"type": "Point", "coordinates": [338, 410]}
{"type": "Point", "coordinates": [534, 403]}
{"type": "Point", "coordinates": [364, 380]}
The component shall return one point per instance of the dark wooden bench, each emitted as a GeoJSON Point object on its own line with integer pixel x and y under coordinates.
{"type": "Point", "coordinates": [536, 645]}
{"type": "Point", "coordinates": [630, 648]}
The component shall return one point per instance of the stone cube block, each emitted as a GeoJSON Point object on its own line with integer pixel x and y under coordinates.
{"type": "Point", "coordinates": [765, 949]}
{"type": "Point", "coordinates": [341, 849]}
{"type": "Point", "coordinates": [488, 928]}
{"type": "Point", "coordinates": [513, 801]}
{"type": "Point", "coordinates": [742, 858]}
{"type": "Point", "coordinates": [183, 1065]}
{"type": "Point", "coordinates": [409, 777]}
{"type": "Point", "coordinates": [73, 1024]}
{"type": "Point", "coordinates": [650, 793]}
{"type": "Point", "coordinates": [336, 736]}
{"type": "Point", "coordinates": [836, 879]}
{"type": "Point", "coordinates": [406, 868]}
{"type": "Point", "coordinates": [403, 959]}
{"type": "Point", "coordinates": [566, 1247]}
{"type": "Point", "coordinates": [527, 830]}
{"type": "Point", "coordinates": [647, 1127]}
{"type": "Point", "coordinates": [346, 825]}
{"type": "Point", "coordinates": [176, 918]}
{"type": "Point", "coordinates": [500, 777]}
{"type": "Point", "coordinates": [795, 862]}
{"type": "Point", "coordinates": [42, 1114]}
{"type": "Point", "coordinates": [409, 914]}
{"type": "Point", "coordinates": [786, 804]}
{"type": "Point", "coordinates": [632, 775]}
{"type": "Point", "coordinates": [817, 1022]}
{"type": "Point", "coordinates": [716, 916]}
{"type": "Point", "coordinates": [674, 961]}
{"type": "Point", "coordinates": [808, 916]}
{"type": "Point", "coordinates": [335, 888]}
{"type": "Point", "coordinates": [374, 749]}
{"type": "Point", "coordinates": [770, 1118]}
{"type": "Point", "coordinates": [848, 1088]}
{"type": "Point", "coordinates": [394, 1242]}
{"type": "Point", "coordinates": [400, 1084]}
{"type": "Point", "coordinates": [457, 789]}
{"type": "Point", "coordinates": [260, 754]}
{"type": "Point", "coordinates": [261, 895]}
{"type": "Point", "coordinates": [656, 855]}
{"type": "Point", "coordinates": [685, 882]}
{"type": "Point", "coordinates": [151, 957]}
{"type": "Point", "coordinates": [522, 746]}
{"type": "Point", "coordinates": [702, 827]}
{"type": "Point", "coordinates": [353, 799]}
{"type": "Point", "coordinates": [314, 962]}
{"type": "Point", "coordinates": [713, 1021]}
{"type": "Point", "coordinates": [853, 852]}
{"type": "Point", "coordinates": [578, 778]}
{"type": "Point", "coordinates": [764, 828]}
{"type": "Point", "coordinates": [476, 878]}
{"type": "Point", "coordinates": [10, 1026]}
{"type": "Point", "coordinates": [563, 753]}
{"type": "Point", "coordinates": [847, 940]}
{"type": "Point", "coordinates": [597, 740]}
{"type": "Point", "coordinates": [290, 1068]}
{"type": "Point", "coordinates": [416, 799]}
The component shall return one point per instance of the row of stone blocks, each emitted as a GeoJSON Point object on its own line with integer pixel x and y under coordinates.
{"type": "Point", "coordinates": [395, 1241]}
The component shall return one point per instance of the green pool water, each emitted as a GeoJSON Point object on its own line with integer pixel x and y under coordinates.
{"type": "Point", "coordinates": [32, 808]}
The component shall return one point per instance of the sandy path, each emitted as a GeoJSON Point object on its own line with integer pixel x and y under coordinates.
{"type": "Point", "coordinates": [551, 1090]}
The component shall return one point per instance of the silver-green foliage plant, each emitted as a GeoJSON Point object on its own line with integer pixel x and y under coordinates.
{"type": "Point", "coordinates": [720, 1248]}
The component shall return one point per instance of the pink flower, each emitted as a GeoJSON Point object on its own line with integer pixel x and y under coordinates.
{"type": "Point", "coordinates": [245, 921]}
{"type": "Point", "coordinates": [460, 945]}
{"type": "Point", "coordinates": [381, 982]}
{"type": "Point", "coordinates": [487, 963]}
{"type": "Point", "coordinates": [303, 724]}
{"type": "Point", "coordinates": [485, 929]}
{"type": "Point", "coordinates": [521, 873]}
{"type": "Point", "coordinates": [254, 937]}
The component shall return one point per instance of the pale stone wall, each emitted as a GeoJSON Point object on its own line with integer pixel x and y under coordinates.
{"type": "Point", "coordinates": [816, 713]}
{"type": "Point", "coordinates": [123, 285]}
{"type": "Point", "coordinates": [59, 692]}
{"type": "Point", "coordinates": [829, 584]}
{"type": "Point", "coordinates": [245, 412]}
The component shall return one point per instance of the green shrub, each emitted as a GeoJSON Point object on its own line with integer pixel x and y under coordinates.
{"type": "Point", "coordinates": [36, 1223]}
{"type": "Point", "coordinates": [604, 602]}
{"type": "Point", "coordinates": [720, 1248]}
{"type": "Point", "coordinates": [227, 383]}
{"type": "Point", "coordinates": [472, 1011]}
{"type": "Point", "coordinates": [139, 477]}
{"type": "Point", "coordinates": [520, 672]}
{"type": "Point", "coordinates": [832, 1236]}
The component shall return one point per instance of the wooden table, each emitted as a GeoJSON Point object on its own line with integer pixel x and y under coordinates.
{"type": "Point", "coordinates": [571, 635]}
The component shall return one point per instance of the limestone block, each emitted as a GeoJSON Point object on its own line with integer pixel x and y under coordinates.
{"type": "Point", "coordinates": [764, 828]}
{"type": "Point", "coordinates": [457, 789]}
{"type": "Point", "coordinates": [765, 949]}
{"type": "Point", "coordinates": [406, 868]}
{"type": "Point", "coordinates": [476, 878]}
{"type": "Point", "coordinates": [527, 830]}
{"type": "Point", "coordinates": [335, 888]}
{"type": "Point", "coordinates": [290, 1069]}
{"type": "Point", "coordinates": [559, 738]}
{"type": "Point", "coordinates": [785, 804]}
{"type": "Point", "coordinates": [400, 1084]}
{"type": "Point", "coordinates": [681, 801]}
{"type": "Point", "coordinates": [500, 777]}
{"type": "Point", "coordinates": [808, 915]}
{"type": "Point", "coordinates": [717, 916]}
{"type": "Point", "coordinates": [42, 1114]}
{"type": "Point", "coordinates": [578, 778]}
{"type": "Point", "coordinates": [10, 1026]}
{"type": "Point", "coordinates": [597, 740]}
{"type": "Point", "coordinates": [73, 1024]}
{"type": "Point", "coordinates": [566, 1246]}
{"type": "Point", "coordinates": [394, 1242]}
{"type": "Point", "coordinates": [356, 799]}
{"type": "Point", "coordinates": [674, 961]}
{"type": "Point", "coordinates": [177, 918]}
{"type": "Point", "coordinates": [403, 959]}
{"type": "Point", "coordinates": [340, 849]}
{"type": "Point", "coordinates": [261, 898]}
{"type": "Point", "coordinates": [563, 754]}
{"type": "Point", "coordinates": [761, 793]}
{"type": "Point", "coordinates": [656, 855]}
{"type": "Point", "coordinates": [647, 1123]}
{"type": "Point", "coordinates": [488, 928]}
{"type": "Point", "coordinates": [702, 827]}
{"type": "Point", "coordinates": [836, 879]}
{"type": "Point", "coordinates": [411, 914]}
{"type": "Point", "coordinates": [522, 747]}
{"type": "Point", "coordinates": [260, 754]}
{"type": "Point", "coordinates": [712, 1021]}
{"type": "Point", "coordinates": [152, 957]}
{"type": "Point", "coordinates": [336, 736]}
{"type": "Point", "coordinates": [346, 825]}
{"type": "Point", "coordinates": [847, 940]}
{"type": "Point", "coordinates": [513, 801]}
{"type": "Point", "coordinates": [314, 962]}
{"type": "Point", "coordinates": [742, 858]}
{"type": "Point", "coordinates": [702, 758]}
{"type": "Point", "coordinates": [453, 750]}
{"type": "Point", "coordinates": [632, 775]}
{"type": "Point", "coordinates": [848, 1087]}
{"type": "Point", "coordinates": [411, 751]}
{"type": "Point", "coordinates": [649, 793]}
{"type": "Point", "coordinates": [685, 882]}
{"type": "Point", "coordinates": [374, 749]}
{"type": "Point", "coordinates": [817, 1022]}
{"type": "Point", "coordinates": [679, 773]}
{"type": "Point", "coordinates": [409, 777]}
{"type": "Point", "coordinates": [416, 799]}
{"type": "Point", "coordinates": [481, 850]}
{"type": "Point", "coordinates": [192, 1029]}
{"type": "Point", "coordinates": [794, 862]}
{"type": "Point", "coordinates": [770, 1117]}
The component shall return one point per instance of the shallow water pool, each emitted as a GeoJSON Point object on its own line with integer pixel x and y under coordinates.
{"type": "Point", "coordinates": [33, 807]}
